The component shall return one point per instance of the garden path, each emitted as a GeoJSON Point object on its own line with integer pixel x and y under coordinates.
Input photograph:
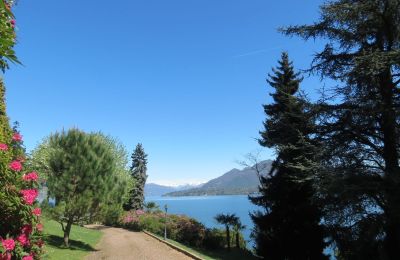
{"type": "Point", "coordinates": [118, 243]}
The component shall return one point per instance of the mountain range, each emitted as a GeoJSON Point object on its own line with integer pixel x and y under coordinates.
{"type": "Point", "coordinates": [233, 182]}
{"type": "Point", "coordinates": [153, 189]}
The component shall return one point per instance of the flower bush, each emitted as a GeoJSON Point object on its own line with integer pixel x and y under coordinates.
{"type": "Point", "coordinates": [20, 230]}
{"type": "Point", "coordinates": [180, 228]}
{"type": "Point", "coordinates": [20, 227]}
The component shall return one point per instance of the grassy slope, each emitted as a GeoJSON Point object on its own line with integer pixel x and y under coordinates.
{"type": "Point", "coordinates": [234, 254]}
{"type": "Point", "coordinates": [82, 241]}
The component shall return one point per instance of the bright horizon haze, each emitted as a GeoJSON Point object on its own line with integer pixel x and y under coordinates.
{"type": "Point", "coordinates": [184, 78]}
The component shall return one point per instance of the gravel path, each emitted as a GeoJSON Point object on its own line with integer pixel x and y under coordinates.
{"type": "Point", "coordinates": [118, 243]}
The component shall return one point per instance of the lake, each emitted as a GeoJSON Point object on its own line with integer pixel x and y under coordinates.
{"type": "Point", "coordinates": [204, 209]}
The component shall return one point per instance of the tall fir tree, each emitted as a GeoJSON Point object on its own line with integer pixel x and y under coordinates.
{"type": "Point", "coordinates": [139, 176]}
{"type": "Point", "coordinates": [289, 226]}
{"type": "Point", "coordinates": [360, 127]}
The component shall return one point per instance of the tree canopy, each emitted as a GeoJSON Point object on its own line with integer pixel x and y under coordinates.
{"type": "Point", "coordinates": [81, 172]}
{"type": "Point", "coordinates": [358, 124]}
{"type": "Point", "coordinates": [288, 226]}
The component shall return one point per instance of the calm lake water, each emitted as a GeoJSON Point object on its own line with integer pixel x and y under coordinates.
{"type": "Point", "coordinates": [204, 209]}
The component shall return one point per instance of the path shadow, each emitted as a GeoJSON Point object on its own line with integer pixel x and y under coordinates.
{"type": "Point", "coordinates": [97, 227]}
{"type": "Point", "coordinates": [57, 241]}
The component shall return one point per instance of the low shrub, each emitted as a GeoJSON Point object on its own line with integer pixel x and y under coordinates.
{"type": "Point", "coordinates": [214, 239]}
{"type": "Point", "coordinates": [180, 228]}
{"type": "Point", "coordinates": [190, 231]}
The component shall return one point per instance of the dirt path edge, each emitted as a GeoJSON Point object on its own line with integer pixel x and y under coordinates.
{"type": "Point", "coordinates": [173, 246]}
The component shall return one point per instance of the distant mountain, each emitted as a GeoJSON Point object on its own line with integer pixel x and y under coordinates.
{"type": "Point", "coordinates": [234, 182]}
{"type": "Point", "coordinates": [152, 189]}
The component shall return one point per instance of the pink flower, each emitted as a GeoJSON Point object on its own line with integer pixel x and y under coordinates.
{"type": "Point", "coordinates": [23, 239]}
{"type": "Point", "coordinates": [17, 137]}
{"type": "Point", "coordinates": [37, 212]}
{"type": "Point", "coordinates": [28, 257]}
{"type": "Point", "coordinates": [26, 229]}
{"type": "Point", "coordinates": [139, 212]}
{"type": "Point", "coordinates": [3, 147]}
{"type": "Point", "coordinates": [8, 244]}
{"type": "Point", "coordinates": [39, 227]}
{"type": "Point", "coordinates": [32, 176]}
{"type": "Point", "coordinates": [16, 166]}
{"type": "Point", "coordinates": [29, 196]}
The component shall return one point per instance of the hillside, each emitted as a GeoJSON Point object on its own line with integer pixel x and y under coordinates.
{"type": "Point", "coordinates": [233, 182]}
{"type": "Point", "coordinates": [153, 189]}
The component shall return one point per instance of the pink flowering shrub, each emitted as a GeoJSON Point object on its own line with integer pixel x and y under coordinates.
{"type": "Point", "coordinates": [16, 166]}
{"type": "Point", "coordinates": [18, 240]}
{"type": "Point", "coordinates": [17, 137]}
{"type": "Point", "coordinates": [29, 196]}
{"type": "Point", "coordinates": [37, 212]}
{"type": "Point", "coordinates": [139, 212]}
{"type": "Point", "coordinates": [130, 220]}
{"type": "Point", "coordinates": [32, 176]}
{"type": "Point", "coordinates": [8, 244]}
{"type": "Point", "coordinates": [20, 227]}
{"type": "Point", "coordinates": [179, 228]}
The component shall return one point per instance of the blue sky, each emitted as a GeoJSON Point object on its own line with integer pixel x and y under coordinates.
{"type": "Point", "coordinates": [184, 77]}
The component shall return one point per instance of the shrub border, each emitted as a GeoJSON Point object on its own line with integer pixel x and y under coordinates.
{"type": "Point", "coordinates": [173, 246]}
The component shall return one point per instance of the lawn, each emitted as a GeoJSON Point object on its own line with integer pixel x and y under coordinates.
{"type": "Point", "coordinates": [82, 241]}
{"type": "Point", "coordinates": [233, 254]}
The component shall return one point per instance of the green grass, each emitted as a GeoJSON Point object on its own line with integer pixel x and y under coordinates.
{"type": "Point", "coordinates": [233, 254]}
{"type": "Point", "coordinates": [82, 241]}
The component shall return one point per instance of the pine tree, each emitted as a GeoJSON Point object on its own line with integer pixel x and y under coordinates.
{"type": "Point", "coordinates": [360, 128]}
{"type": "Point", "coordinates": [81, 170]}
{"type": "Point", "coordinates": [138, 173]}
{"type": "Point", "coordinates": [289, 227]}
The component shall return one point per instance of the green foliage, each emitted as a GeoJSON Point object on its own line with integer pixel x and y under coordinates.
{"type": "Point", "coordinates": [81, 170]}
{"type": "Point", "coordinates": [151, 207]}
{"type": "Point", "coordinates": [214, 239]}
{"type": "Point", "coordinates": [7, 35]}
{"type": "Point", "coordinates": [139, 176]}
{"type": "Point", "coordinates": [289, 225]}
{"type": "Point", "coordinates": [109, 210]}
{"type": "Point", "coordinates": [106, 205]}
{"type": "Point", "coordinates": [359, 127]}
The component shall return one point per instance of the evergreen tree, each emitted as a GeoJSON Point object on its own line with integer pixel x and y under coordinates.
{"type": "Point", "coordinates": [289, 227]}
{"type": "Point", "coordinates": [360, 128]}
{"type": "Point", "coordinates": [81, 170]}
{"type": "Point", "coordinates": [138, 173]}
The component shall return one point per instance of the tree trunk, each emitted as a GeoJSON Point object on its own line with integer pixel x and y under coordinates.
{"type": "Point", "coordinates": [237, 239]}
{"type": "Point", "coordinates": [228, 237]}
{"type": "Point", "coordinates": [67, 230]}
